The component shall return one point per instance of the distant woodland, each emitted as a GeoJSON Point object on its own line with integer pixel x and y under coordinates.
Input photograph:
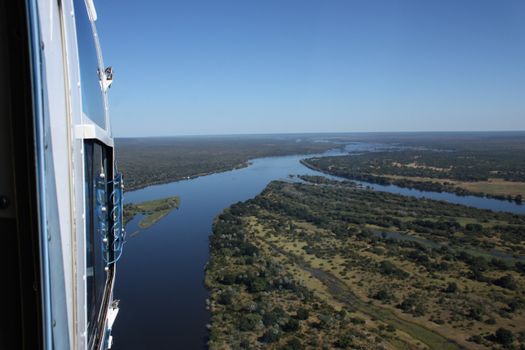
{"type": "Point", "coordinates": [483, 166]}
{"type": "Point", "coordinates": [148, 161]}
{"type": "Point", "coordinates": [467, 157]}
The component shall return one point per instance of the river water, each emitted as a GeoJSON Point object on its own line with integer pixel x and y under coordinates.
{"type": "Point", "coordinates": [160, 275]}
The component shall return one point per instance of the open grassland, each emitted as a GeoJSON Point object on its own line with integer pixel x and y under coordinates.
{"type": "Point", "coordinates": [153, 210]}
{"type": "Point", "coordinates": [492, 187]}
{"type": "Point", "coordinates": [496, 187]}
{"type": "Point", "coordinates": [387, 271]}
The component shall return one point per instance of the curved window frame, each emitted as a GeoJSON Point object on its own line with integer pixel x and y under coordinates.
{"type": "Point", "coordinates": [91, 68]}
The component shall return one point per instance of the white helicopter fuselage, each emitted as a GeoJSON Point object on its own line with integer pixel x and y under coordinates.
{"type": "Point", "coordinates": [75, 189]}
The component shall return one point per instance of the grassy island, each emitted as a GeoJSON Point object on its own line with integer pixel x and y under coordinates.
{"type": "Point", "coordinates": [330, 265]}
{"type": "Point", "coordinates": [153, 210]}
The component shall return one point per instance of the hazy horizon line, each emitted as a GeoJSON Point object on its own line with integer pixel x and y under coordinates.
{"type": "Point", "coordinates": [330, 133]}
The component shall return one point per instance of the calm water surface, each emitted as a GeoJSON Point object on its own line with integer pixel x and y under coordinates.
{"type": "Point", "coordinates": [160, 276]}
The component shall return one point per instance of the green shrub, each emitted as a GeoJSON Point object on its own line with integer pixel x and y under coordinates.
{"type": "Point", "coordinates": [345, 341]}
{"type": "Point", "coordinates": [507, 282]}
{"type": "Point", "coordinates": [293, 344]}
{"type": "Point", "coordinates": [414, 305]}
{"type": "Point", "coordinates": [475, 313]}
{"type": "Point", "coordinates": [504, 336]}
{"type": "Point", "coordinates": [452, 287]}
{"type": "Point", "coordinates": [302, 314]}
{"type": "Point", "coordinates": [357, 320]}
{"type": "Point", "coordinates": [225, 298]}
{"type": "Point", "coordinates": [249, 322]}
{"type": "Point", "coordinates": [273, 316]}
{"type": "Point", "coordinates": [386, 267]}
{"type": "Point", "coordinates": [270, 336]}
{"type": "Point", "coordinates": [383, 295]}
{"type": "Point", "coordinates": [291, 326]}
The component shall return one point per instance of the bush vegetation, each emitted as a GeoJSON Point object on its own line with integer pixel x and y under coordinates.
{"type": "Point", "coordinates": [379, 260]}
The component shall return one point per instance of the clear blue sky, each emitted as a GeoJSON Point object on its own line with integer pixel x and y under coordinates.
{"type": "Point", "coordinates": [265, 66]}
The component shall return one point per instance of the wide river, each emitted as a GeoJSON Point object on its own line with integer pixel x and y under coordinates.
{"type": "Point", "coordinates": [160, 275]}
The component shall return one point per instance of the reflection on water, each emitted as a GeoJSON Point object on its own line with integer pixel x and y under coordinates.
{"type": "Point", "coordinates": [160, 276]}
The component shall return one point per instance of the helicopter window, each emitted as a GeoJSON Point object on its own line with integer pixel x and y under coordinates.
{"type": "Point", "coordinates": [97, 226]}
{"type": "Point", "coordinates": [92, 97]}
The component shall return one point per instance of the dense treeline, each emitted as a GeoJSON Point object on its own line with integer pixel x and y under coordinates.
{"type": "Point", "coordinates": [503, 143]}
{"type": "Point", "coordinates": [454, 269]}
{"type": "Point", "coordinates": [441, 164]}
{"type": "Point", "coordinates": [147, 161]}
{"type": "Point", "coordinates": [430, 170]}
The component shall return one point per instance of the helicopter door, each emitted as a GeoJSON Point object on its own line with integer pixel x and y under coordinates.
{"type": "Point", "coordinates": [98, 225]}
